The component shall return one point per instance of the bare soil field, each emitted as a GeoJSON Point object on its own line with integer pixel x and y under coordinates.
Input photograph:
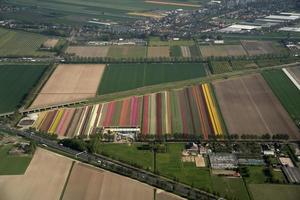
{"type": "Point", "coordinates": [50, 43]}
{"type": "Point", "coordinates": [44, 178]}
{"type": "Point", "coordinates": [87, 182]}
{"type": "Point", "coordinates": [249, 107]}
{"type": "Point", "coordinates": [162, 195]}
{"type": "Point", "coordinates": [254, 47]}
{"type": "Point", "coordinates": [70, 83]}
{"type": "Point", "coordinates": [174, 4]}
{"type": "Point", "coordinates": [155, 52]}
{"type": "Point", "coordinates": [88, 51]}
{"type": "Point", "coordinates": [185, 51]}
{"type": "Point", "coordinates": [222, 51]}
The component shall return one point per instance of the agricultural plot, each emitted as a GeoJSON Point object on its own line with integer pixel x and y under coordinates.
{"type": "Point", "coordinates": [12, 164]}
{"type": "Point", "coordinates": [50, 43]}
{"type": "Point", "coordinates": [87, 182]}
{"type": "Point", "coordinates": [44, 178]}
{"type": "Point", "coordinates": [188, 111]}
{"type": "Point", "coordinates": [191, 110]}
{"type": "Point", "coordinates": [70, 83]}
{"type": "Point", "coordinates": [274, 191]}
{"type": "Point", "coordinates": [15, 83]}
{"type": "Point", "coordinates": [157, 52]}
{"type": "Point", "coordinates": [185, 51]}
{"type": "Point", "coordinates": [243, 64]}
{"type": "Point", "coordinates": [156, 41]}
{"type": "Point", "coordinates": [249, 107]}
{"type": "Point", "coordinates": [175, 51]}
{"type": "Point", "coordinates": [88, 51]}
{"type": "Point", "coordinates": [285, 90]}
{"type": "Point", "coordinates": [219, 67]}
{"type": "Point", "coordinates": [19, 43]}
{"type": "Point", "coordinates": [122, 77]}
{"type": "Point", "coordinates": [222, 51]}
{"type": "Point", "coordinates": [127, 52]}
{"type": "Point", "coordinates": [294, 75]}
{"type": "Point", "coordinates": [255, 47]}
{"type": "Point", "coordinates": [84, 121]}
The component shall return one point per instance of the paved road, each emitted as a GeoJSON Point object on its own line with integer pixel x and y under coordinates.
{"type": "Point", "coordinates": [118, 167]}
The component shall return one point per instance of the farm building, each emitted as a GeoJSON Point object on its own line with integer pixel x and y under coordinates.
{"type": "Point", "coordinates": [223, 161]}
{"type": "Point", "coordinates": [250, 161]}
{"type": "Point", "coordinates": [122, 132]}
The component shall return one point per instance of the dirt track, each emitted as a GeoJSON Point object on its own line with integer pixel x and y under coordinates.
{"type": "Point", "coordinates": [70, 83]}
{"type": "Point", "coordinates": [249, 107]}
{"type": "Point", "coordinates": [44, 178]}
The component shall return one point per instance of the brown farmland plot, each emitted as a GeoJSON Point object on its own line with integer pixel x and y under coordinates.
{"type": "Point", "coordinates": [44, 178]}
{"type": "Point", "coordinates": [88, 51]}
{"type": "Point", "coordinates": [254, 47]}
{"type": "Point", "coordinates": [185, 51]}
{"type": "Point", "coordinates": [155, 52]}
{"type": "Point", "coordinates": [87, 182]}
{"type": "Point", "coordinates": [249, 107]}
{"type": "Point", "coordinates": [70, 83]}
{"type": "Point", "coordinates": [222, 51]}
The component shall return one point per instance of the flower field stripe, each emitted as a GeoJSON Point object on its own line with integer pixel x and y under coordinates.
{"type": "Point", "coordinates": [75, 120]}
{"type": "Point", "coordinates": [67, 123]}
{"type": "Point", "coordinates": [38, 122]}
{"type": "Point", "coordinates": [48, 121]}
{"type": "Point", "coordinates": [81, 121]}
{"type": "Point", "coordinates": [124, 112]}
{"type": "Point", "coordinates": [108, 117]}
{"type": "Point", "coordinates": [176, 113]}
{"type": "Point", "coordinates": [158, 99]}
{"type": "Point", "coordinates": [194, 111]}
{"type": "Point", "coordinates": [185, 130]}
{"type": "Point", "coordinates": [168, 113]}
{"type": "Point", "coordinates": [163, 112]}
{"type": "Point", "coordinates": [188, 113]}
{"type": "Point", "coordinates": [62, 122]}
{"type": "Point", "coordinates": [103, 114]}
{"type": "Point", "coordinates": [97, 120]}
{"type": "Point", "coordinates": [197, 92]}
{"type": "Point", "coordinates": [145, 115]}
{"type": "Point", "coordinates": [56, 121]}
{"type": "Point", "coordinates": [190, 110]}
{"type": "Point", "coordinates": [116, 114]}
{"type": "Point", "coordinates": [209, 108]}
{"type": "Point", "coordinates": [140, 111]}
{"type": "Point", "coordinates": [134, 111]}
{"type": "Point", "coordinates": [92, 120]}
{"type": "Point", "coordinates": [152, 114]}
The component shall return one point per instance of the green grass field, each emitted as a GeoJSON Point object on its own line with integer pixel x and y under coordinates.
{"type": "Point", "coordinates": [12, 165]}
{"type": "Point", "coordinates": [15, 83]}
{"type": "Point", "coordinates": [169, 165]}
{"type": "Point", "coordinates": [19, 43]}
{"type": "Point", "coordinates": [285, 90]}
{"type": "Point", "coordinates": [219, 67]}
{"type": "Point", "coordinates": [234, 188]}
{"type": "Point", "coordinates": [274, 191]}
{"type": "Point", "coordinates": [122, 77]}
{"type": "Point", "coordinates": [175, 51]}
{"type": "Point", "coordinates": [243, 64]}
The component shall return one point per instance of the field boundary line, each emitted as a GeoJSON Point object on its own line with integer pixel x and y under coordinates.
{"type": "Point", "coordinates": [291, 78]}
{"type": "Point", "coordinates": [67, 181]}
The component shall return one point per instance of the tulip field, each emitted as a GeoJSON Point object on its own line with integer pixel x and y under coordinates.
{"type": "Point", "coordinates": [190, 110]}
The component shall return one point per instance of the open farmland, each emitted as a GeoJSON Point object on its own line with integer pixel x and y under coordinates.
{"type": "Point", "coordinates": [122, 77]}
{"type": "Point", "coordinates": [255, 47]}
{"type": "Point", "coordinates": [79, 11]}
{"type": "Point", "coordinates": [87, 182]}
{"type": "Point", "coordinates": [243, 64]}
{"type": "Point", "coordinates": [274, 191]}
{"type": "Point", "coordinates": [44, 178]}
{"type": "Point", "coordinates": [222, 51]}
{"type": "Point", "coordinates": [19, 43]}
{"type": "Point", "coordinates": [156, 52]}
{"type": "Point", "coordinates": [294, 75]}
{"type": "Point", "coordinates": [175, 51]}
{"type": "Point", "coordinates": [156, 41]}
{"type": "Point", "coordinates": [88, 51]}
{"type": "Point", "coordinates": [70, 83]}
{"type": "Point", "coordinates": [191, 111]}
{"type": "Point", "coordinates": [285, 90]}
{"type": "Point", "coordinates": [16, 81]}
{"type": "Point", "coordinates": [127, 52]}
{"type": "Point", "coordinates": [219, 67]}
{"type": "Point", "coordinates": [249, 107]}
